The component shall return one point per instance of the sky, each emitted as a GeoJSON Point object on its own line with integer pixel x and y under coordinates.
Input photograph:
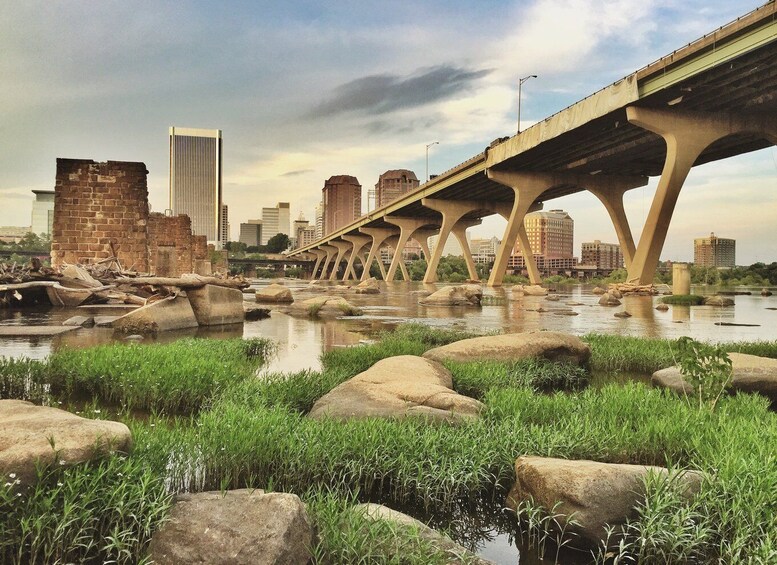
{"type": "Point", "coordinates": [305, 90]}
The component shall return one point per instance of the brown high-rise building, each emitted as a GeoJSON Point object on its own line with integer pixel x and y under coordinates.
{"type": "Point", "coordinates": [714, 251]}
{"type": "Point", "coordinates": [551, 237]}
{"type": "Point", "coordinates": [604, 256]}
{"type": "Point", "coordinates": [393, 184]}
{"type": "Point", "coordinates": [342, 201]}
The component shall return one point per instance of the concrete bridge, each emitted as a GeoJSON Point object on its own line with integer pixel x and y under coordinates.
{"type": "Point", "coordinates": [712, 99]}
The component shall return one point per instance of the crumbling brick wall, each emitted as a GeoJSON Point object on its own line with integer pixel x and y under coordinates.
{"type": "Point", "coordinates": [199, 248]}
{"type": "Point", "coordinates": [170, 232]}
{"type": "Point", "coordinates": [96, 205]}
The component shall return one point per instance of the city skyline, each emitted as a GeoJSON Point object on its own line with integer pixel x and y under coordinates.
{"type": "Point", "coordinates": [375, 106]}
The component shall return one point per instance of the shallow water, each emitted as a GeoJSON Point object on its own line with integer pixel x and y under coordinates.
{"type": "Point", "coordinates": [300, 342]}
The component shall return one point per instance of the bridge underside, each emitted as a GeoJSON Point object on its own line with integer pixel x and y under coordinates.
{"type": "Point", "coordinates": [714, 99]}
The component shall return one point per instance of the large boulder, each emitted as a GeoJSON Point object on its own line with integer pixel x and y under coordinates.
{"type": "Point", "coordinates": [554, 346]}
{"type": "Point", "coordinates": [368, 286]}
{"type": "Point", "coordinates": [274, 293]}
{"type": "Point", "coordinates": [457, 554]}
{"type": "Point", "coordinates": [215, 305]}
{"type": "Point", "coordinates": [718, 300]}
{"type": "Point", "coordinates": [171, 313]}
{"type": "Point", "coordinates": [398, 387]}
{"type": "Point", "coordinates": [750, 373]}
{"type": "Point", "coordinates": [608, 299]}
{"type": "Point", "coordinates": [598, 290]}
{"type": "Point", "coordinates": [325, 306]}
{"type": "Point", "coordinates": [237, 527]}
{"type": "Point", "coordinates": [31, 435]}
{"type": "Point", "coordinates": [531, 290]}
{"type": "Point", "coordinates": [465, 295]}
{"type": "Point", "coordinates": [588, 496]}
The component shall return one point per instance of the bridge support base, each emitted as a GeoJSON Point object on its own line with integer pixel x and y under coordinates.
{"type": "Point", "coordinates": [357, 244]}
{"type": "Point", "coordinates": [379, 236]}
{"type": "Point", "coordinates": [407, 227]}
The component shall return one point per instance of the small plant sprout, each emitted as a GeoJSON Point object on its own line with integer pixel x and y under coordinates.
{"type": "Point", "coordinates": [707, 368]}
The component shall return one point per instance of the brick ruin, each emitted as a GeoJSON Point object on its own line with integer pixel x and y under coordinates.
{"type": "Point", "coordinates": [101, 209]}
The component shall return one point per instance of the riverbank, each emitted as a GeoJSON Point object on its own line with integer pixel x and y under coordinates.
{"type": "Point", "coordinates": [210, 428]}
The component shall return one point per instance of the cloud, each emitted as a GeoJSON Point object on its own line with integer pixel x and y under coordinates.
{"type": "Point", "coordinates": [297, 173]}
{"type": "Point", "coordinates": [380, 94]}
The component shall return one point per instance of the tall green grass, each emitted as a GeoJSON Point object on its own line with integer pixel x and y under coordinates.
{"type": "Point", "coordinates": [24, 379]}
{"type": "Point", "coordinates": [179, 377]}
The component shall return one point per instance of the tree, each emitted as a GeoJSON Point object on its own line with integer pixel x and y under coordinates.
{"type": "Point", "coordinates": [277, 243]}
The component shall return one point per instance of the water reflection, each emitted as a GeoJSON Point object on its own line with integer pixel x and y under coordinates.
{"type": "Point", "coordinates": [301, 340]}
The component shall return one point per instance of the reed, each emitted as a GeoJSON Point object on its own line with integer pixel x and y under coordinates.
{"type": "Point", "coordinates": [24, 379]}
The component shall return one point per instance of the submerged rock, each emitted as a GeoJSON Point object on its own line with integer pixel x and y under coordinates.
{"type": "Point", "coordinates": [587, 496]}
{"type": "Point", "coordinates": [171, 313]}
{"type": "Point", "coordinates": [325, 306]}
{"type": "Point", "coordinates": [253, 313]}
{"type": "Point", "coordinates": [531, 290]}
{"type": "Point", "coordinates": [554, 346]}
{"type": "Point", "coordinates": [398, 387]}
{"type": "Point", "coordinates": [598, 290]}
{"type": "Point", "coordinates": [394, 547]}
{"type": "Point", "coordinates": [31, 435]}
{"type": "Point", "coordinates": [608, 299]}
{"type": "Point", "coordinates": [368, 286]}
{"type": "Point", "coordinates": [766, 292]}
{"type": "Point", "coordinates": [622, 314]}
{"type": "Point", "coordinates": [718, 301]}
{"type": "Point", "coordinates": [236, 527]}
{"type": "Point", "coordinates": [274, 293]}
{"type": "Point", "coordinates": [662, 307]}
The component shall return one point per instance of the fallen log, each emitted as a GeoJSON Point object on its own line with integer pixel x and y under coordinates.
{"type": "Point", "coordinates": [189, 281]}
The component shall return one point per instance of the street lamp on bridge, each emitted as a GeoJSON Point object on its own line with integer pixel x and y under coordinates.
{"type": "Point", "coordinates": [428, 145]}
{"type": "Point", "coordinates": [520, 84]}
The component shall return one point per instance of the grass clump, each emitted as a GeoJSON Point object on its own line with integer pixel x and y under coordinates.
{"type": "Point", "coordinates": [683, 299]}
{"type": "Point", "coordinates": [99, 512]}
{"type": "Point", "coordinates": [179, 377]}
{"type": "Point", "coordinates": [24, 379]}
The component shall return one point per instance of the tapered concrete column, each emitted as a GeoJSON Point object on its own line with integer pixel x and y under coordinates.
{"type": "Point", "coordinates": [331, 252]}
{"type": "Point", "coordinates": [452, 211]}
{"type": "Point", "coordinates": [342, 248]}
{"type": "Point", "coordinates": [393, 242]}
{"type": "Point", "coordinates": [407, 227]}
{"type": "Point", "coordinates": [422, 237]}
{"type": "Point", "coordinates": [460, 232]}
{"type": "Point", "coordinates": [379, 236]}
{"type": "Point", "coordinates": [528, 187]}
{"type": "Point", "coordinates": [687, 135]}
{"type": "Point", "coordinates": [320, 255]}
{"type": "Point", "coordinates": [358, 242]}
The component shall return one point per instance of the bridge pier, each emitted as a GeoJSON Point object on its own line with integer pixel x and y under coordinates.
{"type": "Point", "coordinates": [687, 135]}
{"type": "Point", "coordinates": [452, 211]}
{"type": "Point", "coordinates": [342, 248]}
{"type": "Point", "coordinates": [319, 257]}
{"type": "Point", "coordinates": [357, 244]}
{"type": "Point", "coordinates": [330, 253]}
{"type": "Point", "coordinates": [393, 242]}
{"type": "Point", "coordinates": [460, 232]}
{"type": "Point", "coordinates": [422, 237]}
{"type": "Point", "coordinates": [407, 227]}
{"type": "Point", "coordinates": [379, 236]}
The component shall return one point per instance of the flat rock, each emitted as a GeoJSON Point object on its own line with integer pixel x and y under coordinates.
{"type": "Point", "coordinates": [531, 290]}
{"type": "Point", "coordinates": [236, 527]}
{"type": "Point", "coordinates": [458, 554]}
{"type": "Point", "coordinates": [464, 295]}
{"type": "Point", "coordinates": [27, 432]}
{"type": "Point", "coordinates": [554, 346]}
{"type": "Point", "coordinates": [274, 293]}
{"type": "Point", "coordinates": [718, 301]}
{"type": "Point", "coordinates": [33, 331]}
{"type": "Point", "coordinates": [171, 313]}
{"type": "Point", "coordinates": [368, 286]}
{"type": "Point", "coordinates": [398, 387]}
{"type": "Point", "coordinates": [325, 306]}
{"type": "Point", "coordinates": [750, 373]}
{"type": "Point", "coordinates": [215, 305]}
{"type": "Point", "coordinates": [622, 314]}
{"type": "Point", "coordinates": [253, 313]}
{"type": "Point", "coordinates": [105, 321]}
{"type": "Point", "coordinates": [662, 307]}
{"type": "Point", "coordinates": [608, 299]}
{"type": "Point", "coordinates": [81, 321]}
{"type": "Point", "coordinates": [595, 495]}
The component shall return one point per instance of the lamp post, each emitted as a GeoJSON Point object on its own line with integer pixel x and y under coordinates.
{"type": "Point", "coordinates": [428, 145]}
{"type": "Point", "coordinates": [520, 84]}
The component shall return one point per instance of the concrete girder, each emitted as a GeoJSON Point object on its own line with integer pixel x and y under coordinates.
{"type": "Point", "coordinates": [331, 252]}
{"type": "Point", "coordinates": [358, 242]}
{"type": "Point", "coordinates": [393, 242]}
{"type": "Point", "coordinates": [407, 227]}
{"type": "Point", "coordinates": [460, 232]}
{"type": "Point", "coordinates": [342, 248]}
{"type": "Point", "coordinates": [379, 235]}
{"type": "Point", "coordinates": [687, 135]}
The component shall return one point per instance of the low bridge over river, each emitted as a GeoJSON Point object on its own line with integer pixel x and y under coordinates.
{"type": "Point", "coordinates": [713, 99]}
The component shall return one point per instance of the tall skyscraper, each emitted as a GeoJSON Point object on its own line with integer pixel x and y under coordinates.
{"type": "Point", "coordinates": [195, 179]}
{"type": "Point", "coordinates": [319, 220]}
{"type": "Point", "coordinates": [224, 224]}
{"type": "Point", "coordinates": [714, 251]}
{"type": "Point", "coordinates": [276, 220]}
{"type": "Point", "coordinates": [42, 212]}
{"type": "Point", "coordinates": [393, 184]}
{"type": "Point", "coordinates": [551, 237]}
{"type": "Point", "coordinates": [342, 197]}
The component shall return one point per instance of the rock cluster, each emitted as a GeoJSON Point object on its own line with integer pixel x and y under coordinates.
{"type": "Point", "coordinates": [464, 295]}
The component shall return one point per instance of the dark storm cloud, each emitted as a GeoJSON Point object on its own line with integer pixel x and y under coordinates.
{"type": "Point", "coordinates": [379, 94]}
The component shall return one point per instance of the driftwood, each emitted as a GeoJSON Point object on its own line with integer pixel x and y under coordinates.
{"type": "Point", "coordinates": [189, 281]}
